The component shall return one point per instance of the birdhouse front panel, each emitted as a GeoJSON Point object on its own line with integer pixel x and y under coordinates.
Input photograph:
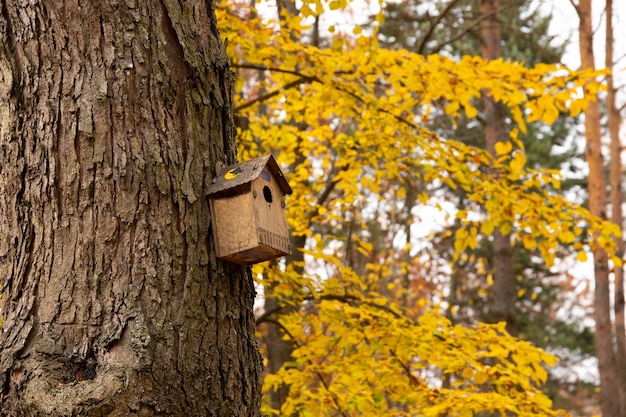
{"type": "Point", "coordinates": [248, 212]}
{"type": "Point", "coordinates": [270, 215]}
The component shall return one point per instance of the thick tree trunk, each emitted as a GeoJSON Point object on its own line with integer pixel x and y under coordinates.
{"type": "Point", "coordinates": [617, 200]}
{"type": "Point", "coordinates": [503, 292]}
{"type": "Point", "coordinates": [112, 117]}
{"type": "Point", "coordinates": [609, 394]}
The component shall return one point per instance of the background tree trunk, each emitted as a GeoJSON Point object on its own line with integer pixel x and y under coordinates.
{"type": "Point", "coordinates": [609, 394]}
{"type": "Point", "coordinates": [112, 117]}
{"type": "Point", "coordinates": [617, 200]}
{"type": "Point", "coordinates": [503, 292]}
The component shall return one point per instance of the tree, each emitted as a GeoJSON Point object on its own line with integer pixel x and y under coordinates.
{"type": "Point", "coordinates": [113, 117]}
{"type": "Point", "coordinates": [611, 394]}
{"type": "Point", "coordinates": [617, 201]}
{"type": "Point", "coordinates": [504, 291]}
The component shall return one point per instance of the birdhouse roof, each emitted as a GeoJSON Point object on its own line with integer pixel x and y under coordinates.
{"type": "Point", "coordinates": [235, 178]}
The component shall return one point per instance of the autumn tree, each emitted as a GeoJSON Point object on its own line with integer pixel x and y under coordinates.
{"type": "Point", "coordinates": [112, 119]}
{"type": "Point", "coordinates": [454, 28]}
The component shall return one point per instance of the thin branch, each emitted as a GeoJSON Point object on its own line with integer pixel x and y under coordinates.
{"type": "Point", "coordinates": [434, 24]}
{"type": "Point", "coordinates": [406, 369]}
{"type": "Point", "coordinates": [575, 8]}
{"type": "Point", "coordinates": [271, 94]}
{"type": "Point", "coordinates": [272, 69]}
{"type": "Point", "coordinates": [347, 298]}
{"type": "Point", "coordinates": [311, 79]}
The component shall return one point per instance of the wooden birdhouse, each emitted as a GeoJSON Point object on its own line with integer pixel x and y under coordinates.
{"type": "Point", "coordinates": [248, 211]}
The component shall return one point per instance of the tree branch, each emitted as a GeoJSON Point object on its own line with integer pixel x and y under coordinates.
{"type": "Point", "coordinates": [347, 298]}
{"type": "Point", "coordinates": [267, 96]}
{"type": "Point", "coordinates": [431, 29]}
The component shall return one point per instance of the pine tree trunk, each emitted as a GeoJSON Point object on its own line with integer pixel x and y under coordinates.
{"type": "Point", "coordinates": [617, 200]}
{"type": "Point", "coordinates": [503, 291]}
{"type": "Point", "coordinates": [112, 118]}
{"type": "Point", "coordinates": [609, 395]}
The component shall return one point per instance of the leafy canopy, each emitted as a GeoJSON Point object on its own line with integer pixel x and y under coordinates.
{"type": "Point", "coordinates": [348, 123]}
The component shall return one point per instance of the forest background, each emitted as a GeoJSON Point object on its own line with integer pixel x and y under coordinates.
{"type": "Point", "coordinates": [440, 167]}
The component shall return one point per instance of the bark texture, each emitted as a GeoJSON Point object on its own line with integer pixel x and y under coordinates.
{"type": "Point", "coordinates": [596, 186]}
{"type": "Point", "coordinates": [503, 294]}
{"type": "Point", "coordinates": [113, 115]}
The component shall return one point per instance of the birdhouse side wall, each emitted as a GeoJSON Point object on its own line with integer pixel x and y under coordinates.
{"type": "Point", "coordinates": [233, 224]}
{"type": "Point", "coordinates": [270, 214]}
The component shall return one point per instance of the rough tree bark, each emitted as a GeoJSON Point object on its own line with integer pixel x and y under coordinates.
{"type": "Point", "coordinates": [112, 117]}
{"type": "Point", "coordinates": [503, 293]}
{"type": "Point", "coordinates": [596, 186]}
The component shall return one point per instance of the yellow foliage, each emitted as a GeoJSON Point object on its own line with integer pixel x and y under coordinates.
{"type": "Point", "coordinates": [349, 125]}
{"type": "Point", "coordinates": [351, 360]}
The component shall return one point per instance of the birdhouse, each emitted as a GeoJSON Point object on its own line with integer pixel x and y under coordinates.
{"type": "Point", "coordinates": [248, 211]}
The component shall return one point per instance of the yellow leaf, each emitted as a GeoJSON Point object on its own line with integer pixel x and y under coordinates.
{"type": "Point", "coordinates": [487, 228]}
{"type": "Point", "coordinates": [550, 115]}
{"type": "Point", "coordinates": [519, 118]}
{"type": "Point", "coordinates": [452, 108]}
{"type": "Point", "coordinates": [566, 236]}
{"type": "Point", "coordinates": [529, 242]}
{"type": "Point", "coordinates": [577, 106]}
{"type": "Point", "coordinates": [505, 228]}
{"type": "Point", "coordinates": [481, 377]}
{"type": "Point", "coordinates": [368, 246]}
{"type": "Point", "coordinates": [503, 148]}
{"type": "Point", "coordinates": [470, 111]}
{"type": "Point", "coordinates": [335, 5]}
{"type": "Point", "coordinates": [518, 162]}
{"type": "Point", "coordinates": [582, 256]}
{"type": "Point", "coordinates": [306, 11]}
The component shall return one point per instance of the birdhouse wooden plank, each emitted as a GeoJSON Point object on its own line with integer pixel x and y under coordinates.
{"type": "Point", "coordinates": [248, 211]}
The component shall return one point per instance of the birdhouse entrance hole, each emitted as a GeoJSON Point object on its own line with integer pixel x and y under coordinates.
{"type": "Point", "coordinates": [267, 193]}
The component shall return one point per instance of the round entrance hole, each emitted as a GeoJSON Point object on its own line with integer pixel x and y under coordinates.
{"type": "Point", "coordinates": [267, 193]}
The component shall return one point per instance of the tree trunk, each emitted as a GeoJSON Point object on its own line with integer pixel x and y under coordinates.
{"type": "Point", "coordinates": [503, 292]}
{"type": "Point", "coordinates": [112, 118]}
{"type": "Point", "coordinates": [609, 394]}
{"type": "Point", "coordinates": [617, 200]}
{"type": "Point", "coordinates": [278, 347]}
